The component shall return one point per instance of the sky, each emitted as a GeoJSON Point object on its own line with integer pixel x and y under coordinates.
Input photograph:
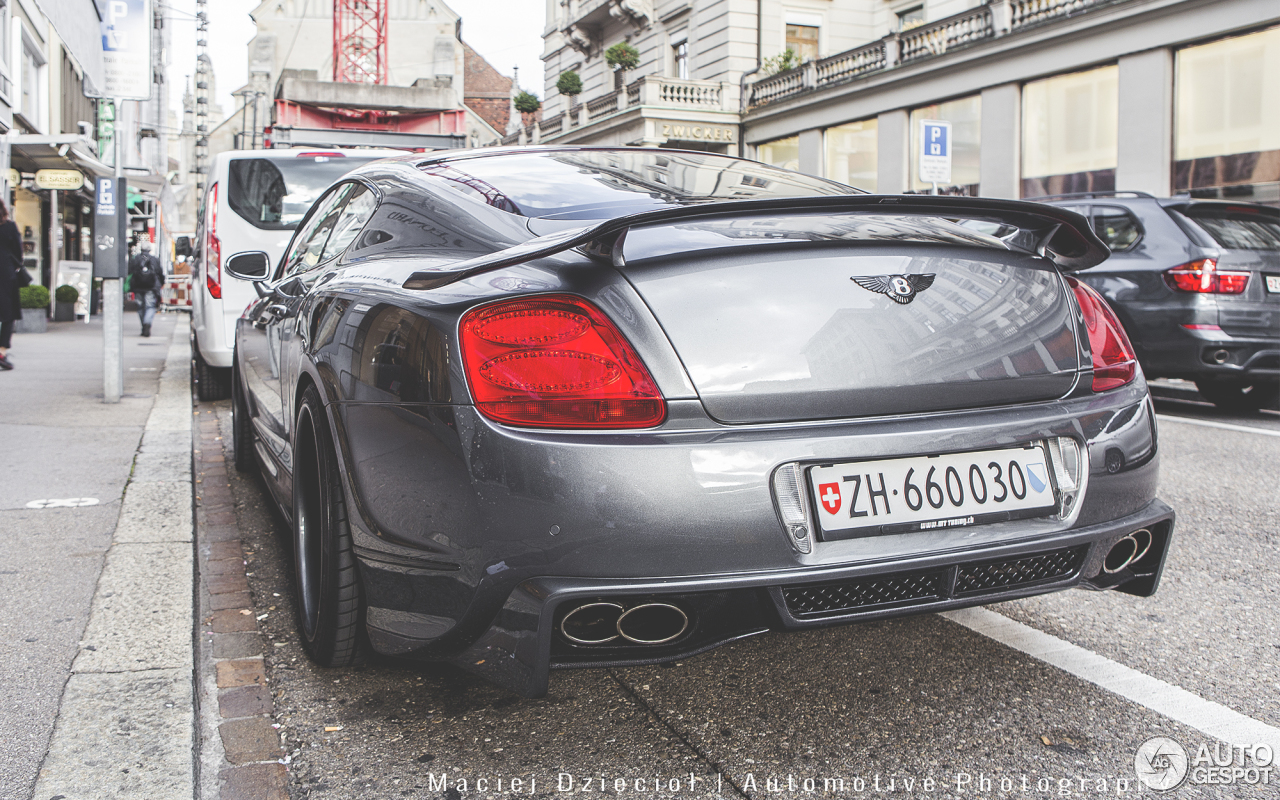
{"type": "Point", "coordinates": [506, 32]}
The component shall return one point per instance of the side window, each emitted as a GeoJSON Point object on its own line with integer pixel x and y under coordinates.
{"type": "Point", "coordinates": [309, 242]}
{"type": "Point", "coordinates": [1117, 227]}
{"type": "Point", "coordinates": [355, 214]}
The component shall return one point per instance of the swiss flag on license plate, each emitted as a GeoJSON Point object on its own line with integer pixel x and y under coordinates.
{"type": "Point", "coordinates": [829, 494]}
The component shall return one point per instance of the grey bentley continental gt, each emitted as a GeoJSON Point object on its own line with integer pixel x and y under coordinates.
{"type": "Point", "coordinates": [539, 408]}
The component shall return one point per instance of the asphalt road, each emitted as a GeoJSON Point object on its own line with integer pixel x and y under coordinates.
{"type": "Point", "coordinates": [916, 707]}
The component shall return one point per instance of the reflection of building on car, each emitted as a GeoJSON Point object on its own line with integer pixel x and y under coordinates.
{"type": "Point", "coordinates": [253, 201]}
{"type": "Point", "coordinates": [1197, 286]}
{"type": "Point", "coordinates": [561, 407]}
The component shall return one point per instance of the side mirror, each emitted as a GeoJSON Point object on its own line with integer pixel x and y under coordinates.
{"type": "Point", "coordinates": [249, 266]}
{"type": "Point", "coordinates": [182, 246]}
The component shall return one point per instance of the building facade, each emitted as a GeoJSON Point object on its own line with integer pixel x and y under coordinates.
{"type": "Point", "coordinates": [1043, 96]}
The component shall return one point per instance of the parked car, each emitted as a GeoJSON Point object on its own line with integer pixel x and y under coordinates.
{"type": "Point", "coordinates": [253, 201]}
{"type": "Point", "coordinates": [1197, 285]}
{"type": "Point", "coordinates": [568, 407]}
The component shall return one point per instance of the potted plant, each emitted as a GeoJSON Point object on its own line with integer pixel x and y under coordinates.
{"type": "Point", "coordinates": [64, 308]}
{"type": "Point", "coordinates": [34, 301]}
{"type": "Point", "coordinates": [527, 104]}
{"type": "Point", "coordinates": [620, 58]}
{"type": "Point", "coordinates": [569, 84]}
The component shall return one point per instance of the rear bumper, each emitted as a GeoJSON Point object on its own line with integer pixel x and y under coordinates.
{"type": "Point", "coordinates": [471, 538]}
{"type": "Point", "coordinates": [1199, 355]}
{"type": "Point", "coordinates": [524, 644]}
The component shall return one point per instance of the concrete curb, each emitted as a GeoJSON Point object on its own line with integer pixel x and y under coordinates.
{"type": "Point", "coordinates": [240, 754]}
{"type": "Point", "coordinates": [126, 723]}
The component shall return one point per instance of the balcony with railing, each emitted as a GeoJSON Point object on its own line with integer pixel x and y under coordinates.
{"type": "Point", "coordinates": [650, 93]}
{"type": "Point", "coordinates": [986, 22]}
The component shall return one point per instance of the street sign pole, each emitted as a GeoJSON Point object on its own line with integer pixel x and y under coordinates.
{"type": "Point", "coordinates": [110, 253]}
{"type": "Point", "coordinates": [127, 73]}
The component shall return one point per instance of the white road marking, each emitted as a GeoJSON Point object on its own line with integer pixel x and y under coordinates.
{"type": "Point", "coordinates": [1213, 719]}
{"type": "Point", "coordinates": [69, 502]}
{"type": "Point", "coordinates": [1226, 426]}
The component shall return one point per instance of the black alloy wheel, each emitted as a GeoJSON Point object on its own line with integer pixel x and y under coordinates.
{"type": "Point", "coordinates": [241, 426]}
{"type": "Point", "coordinates": [1239, 395]}
{"type": "Point", "coordinates": [330, 611]}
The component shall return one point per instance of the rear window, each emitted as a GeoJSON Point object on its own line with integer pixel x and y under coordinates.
{"type": "Point", "coordinates": [592, 184]}
{"type": "Point", "coordinates": [274, 194]}
{"type": "Point", "coordinates": [1239, 230]}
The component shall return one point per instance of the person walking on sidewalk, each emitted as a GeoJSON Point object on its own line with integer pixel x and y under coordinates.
{"type": "Point", "coordinates": [10, 282]}
{"type": "Point", "coordinates": [146, 276]}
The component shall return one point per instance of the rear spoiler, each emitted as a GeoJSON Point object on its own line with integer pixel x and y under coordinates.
{"type": "Point", "coordinates": [1062, 236]}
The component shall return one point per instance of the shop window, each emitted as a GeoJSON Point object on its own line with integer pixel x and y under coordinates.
{"type": "Point", "coordinates": [965, 116]}
{"type": "Point", "coordinates": [1226, 120]}
{"type": "Point", "coordinates": [783, 153]}
{"type": "Point", "coordinates": [851, 154]}
{"type": "Point", "coordinates": [1069, 132]}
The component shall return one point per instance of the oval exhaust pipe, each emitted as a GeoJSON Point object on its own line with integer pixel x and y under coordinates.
{"type": "Point", "coordinates": [592, 623]}
{"type": "Point", "coordinates": [1129, 549]}
{"type": "Point", "coordinates": [652, 623]}
{"type": "Point", "coordinates": [1221, 356]}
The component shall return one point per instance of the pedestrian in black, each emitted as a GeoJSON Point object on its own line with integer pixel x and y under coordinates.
{"type": "Point", "coordinates": [146, 276]}
{"type": "Point", "coordinates": [10, 282]}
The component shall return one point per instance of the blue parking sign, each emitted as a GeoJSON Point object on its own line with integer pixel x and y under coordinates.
{"type": "Point", "coordinates": [935, 151]}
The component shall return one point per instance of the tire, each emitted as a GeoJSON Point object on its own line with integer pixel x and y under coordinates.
{"type": "Point", "coordinates": [212, 383]}
{"type": "Point", "coordinates": [329, 605]}
{"type": "Point", "coordinates": [1233, 395]}
{"type": "Point", "coordinates": [241, 426]}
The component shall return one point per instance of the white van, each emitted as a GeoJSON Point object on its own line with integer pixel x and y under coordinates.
{"type": "Point", "coordinates": [253, 201]}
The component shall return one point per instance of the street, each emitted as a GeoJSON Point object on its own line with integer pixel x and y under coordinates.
{"type": "Point", "coordinates": [915, 707]}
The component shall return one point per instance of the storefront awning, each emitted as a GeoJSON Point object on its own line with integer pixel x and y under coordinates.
{"type": "Point", "coordinates": [32, 152]}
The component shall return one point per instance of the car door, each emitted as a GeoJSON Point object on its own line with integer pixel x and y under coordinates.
{"type": "Point", "coordinates": [343, 221]}
{"type": "Point", "coordinates": [266, 377]}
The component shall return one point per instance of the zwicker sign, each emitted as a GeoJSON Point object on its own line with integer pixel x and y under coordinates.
{"type": "Point", "coordinates": [126, 49]}
{"type": "Point", "coordinates": [65, 179]}
{"type": "Point", "coordinates": [702, 133]}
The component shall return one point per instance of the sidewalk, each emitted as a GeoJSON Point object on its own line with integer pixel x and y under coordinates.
{"type": "Point", "coordinates": [96, 581]}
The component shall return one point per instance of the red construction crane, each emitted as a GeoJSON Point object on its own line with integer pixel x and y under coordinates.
{"type": "Point", "coordinates": [360, 41]}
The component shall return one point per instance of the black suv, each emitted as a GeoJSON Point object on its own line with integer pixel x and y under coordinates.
{"type": "Point", "coordinates": [1197, 285]}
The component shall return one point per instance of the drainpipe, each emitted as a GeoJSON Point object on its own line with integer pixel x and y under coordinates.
{"type": "Point", "coordinates": [742, 82]}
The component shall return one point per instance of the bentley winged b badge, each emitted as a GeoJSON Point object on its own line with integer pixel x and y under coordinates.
{"type": "Point", "coordinates": [901, 289]}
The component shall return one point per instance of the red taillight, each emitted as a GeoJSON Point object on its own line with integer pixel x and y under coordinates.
{"type": "Point", "coordinates": [213, 247]}
{"type": "Point", "coordinates": [1114, 362]}
{"type": "Point", "coordinates": [1203, 276]}
{"type": "Point", "coordinates": [555, 361]}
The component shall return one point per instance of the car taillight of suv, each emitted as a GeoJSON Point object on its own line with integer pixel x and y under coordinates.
{"type": "Point", "coordinates": [1203, 276]}
{"type": "Point", "coordinates": [1114, 360]}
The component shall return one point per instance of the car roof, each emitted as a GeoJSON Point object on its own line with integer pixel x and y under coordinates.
{"type": "Point", "coordinates": [284, 154]}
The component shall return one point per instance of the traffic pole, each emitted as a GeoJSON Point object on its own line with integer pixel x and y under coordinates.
{"type": "Point", "coordinates": [113, 289]}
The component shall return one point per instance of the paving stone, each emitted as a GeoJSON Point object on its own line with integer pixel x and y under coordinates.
{"type": "Point", "coordinates": [237, 645]}
{"type": "Point", "coordinates": [219, 533]}
{"type": "Point", "coordinates": [221, 602]}
{"type": "Point", "coordinates": [248, 740]}
{"type": "Point", "coordinates": [240, 672]}
{"type": "Point", "coordinates": [255, 782]}
{"type": "Point", "coordinates": [221, 584]}
{"type": "Point", "coordinates": [223, 566]}
{"type": "Point", "coordinates": [228, 549]}
{"type": "Point", "coordinates": [244, 701]}
{"type": "Point", "coordinates": [231, 620]}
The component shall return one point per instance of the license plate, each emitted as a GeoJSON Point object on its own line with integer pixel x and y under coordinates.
{"type": "Point", "coordinates": [1273, 283]}
{"type": "Point", "coordinates": [919, 493]}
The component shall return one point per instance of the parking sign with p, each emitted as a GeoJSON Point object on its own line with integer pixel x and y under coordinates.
{"type": "Point", "coordinates": [935, 151]}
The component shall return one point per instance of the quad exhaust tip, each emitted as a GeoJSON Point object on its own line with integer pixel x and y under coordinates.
{"type": "Point", "coordinates": [1131, 548]}
{"type": "Point", "coordinates": [601, 622]}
